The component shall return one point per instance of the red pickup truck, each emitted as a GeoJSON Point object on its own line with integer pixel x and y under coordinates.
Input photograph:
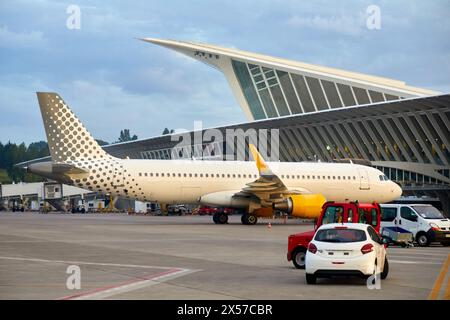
{"type": "Point", "coordinates": [333, 212]}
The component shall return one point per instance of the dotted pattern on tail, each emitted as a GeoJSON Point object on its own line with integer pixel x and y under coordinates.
{"type": "Point", "coordinates": [67, 138]}
{"type": "Point", "coordinates": [70, 142]}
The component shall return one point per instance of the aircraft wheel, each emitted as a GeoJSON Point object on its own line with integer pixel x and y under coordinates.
{"type": "Point", "coordinates": [249, 219]}
{"type": "Point", "coordinates": [222, 218]}
{"type": "Point", "coordinates": [215, 218]}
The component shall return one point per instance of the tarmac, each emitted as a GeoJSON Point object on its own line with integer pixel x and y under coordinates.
{"type": "Point", "coordinates": [119, 256]}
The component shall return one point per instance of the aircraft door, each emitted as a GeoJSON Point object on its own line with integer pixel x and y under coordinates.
{"type": "Point", "coordinates": [364, 183]}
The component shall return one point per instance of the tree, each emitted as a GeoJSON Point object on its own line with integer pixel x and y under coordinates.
{"type": "Point", "coordinates": [12, 154]}
{"type": "Point", "coordinates": [125, 136]}
{"type": "Point", "coordinates": [167, 131]}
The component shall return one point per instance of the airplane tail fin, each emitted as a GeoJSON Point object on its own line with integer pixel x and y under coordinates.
{"type": "Point", "coordinates": [68, 139]}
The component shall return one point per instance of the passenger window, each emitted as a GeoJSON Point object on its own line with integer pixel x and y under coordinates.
{"type": "Point", "coordinates": [408, 214]}
{"type": "Point", "coordinates": [388, 214]}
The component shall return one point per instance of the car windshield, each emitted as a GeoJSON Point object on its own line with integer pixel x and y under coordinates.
{"type": "Point", "coordinates": [428, 212]}
{"type": "Point", "coordinates": [340, 235]}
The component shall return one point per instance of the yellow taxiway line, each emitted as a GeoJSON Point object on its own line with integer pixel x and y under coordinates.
{"type": "Point", "coordinates": [434, 294]}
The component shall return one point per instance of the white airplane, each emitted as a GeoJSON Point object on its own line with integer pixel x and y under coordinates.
{"type": "Point", "coordinates": [299, 189]}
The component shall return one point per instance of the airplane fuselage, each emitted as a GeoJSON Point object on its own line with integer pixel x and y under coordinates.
{"type": "Point", "coordinates": [185, 181]}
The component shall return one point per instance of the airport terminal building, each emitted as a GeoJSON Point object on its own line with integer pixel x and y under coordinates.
{"type": "Point", "coordinates": [326, 114]}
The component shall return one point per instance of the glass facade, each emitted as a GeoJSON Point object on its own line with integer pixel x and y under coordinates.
{"type": "Point", "coordinates": [272, 93]}
{"type": "Point", "coordinates": [248, 89]}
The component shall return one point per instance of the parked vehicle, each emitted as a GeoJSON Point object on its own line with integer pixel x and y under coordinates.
{"type": "Point", "coordinates": [424, 221]}
{"type": "Point", "coordinates": [332, 212]}
{"type": "Point", "coordinates": [18, 207]}
{"type": "Point", "coordinates": [78, 209]}
{"type": "Point", "coordinates": [178, 209]}
{"type": "Point", "coordinates": [397, 235]}
{"type": "Point", "coordinates": [346, 249]}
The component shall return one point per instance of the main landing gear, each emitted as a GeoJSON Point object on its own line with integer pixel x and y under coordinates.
{"type": "Point", "coordinates": [220, 218]}
{"type": "Point", "coordinates": [249, 219]}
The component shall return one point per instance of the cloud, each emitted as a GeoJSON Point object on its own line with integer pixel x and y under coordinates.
{"type": "Point", "coordinates": [114, 81]}
{"type": "Point", "coordinates": [17, 40]}
{"type": "Point", "coordinates": [345, 24]}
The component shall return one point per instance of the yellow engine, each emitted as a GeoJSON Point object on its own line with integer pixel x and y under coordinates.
{"type": "Point", "coordinates": [308, 206]}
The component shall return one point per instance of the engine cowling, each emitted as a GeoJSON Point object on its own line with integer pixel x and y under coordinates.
{"type": "Point", "coordinates": [224, 199]}
{"type": "Point", "coordinates": [308, 206]}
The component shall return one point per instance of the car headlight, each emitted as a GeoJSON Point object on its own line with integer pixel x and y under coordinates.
{"type": "Point", "coordinates": [434, 226]}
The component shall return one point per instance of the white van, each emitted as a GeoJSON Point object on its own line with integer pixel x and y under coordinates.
{"type": "Point", "coordinates": [424, 221]}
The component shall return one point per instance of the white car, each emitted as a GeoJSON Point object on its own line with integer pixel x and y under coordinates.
{"type": "Point", "coordinates": [346, 249]}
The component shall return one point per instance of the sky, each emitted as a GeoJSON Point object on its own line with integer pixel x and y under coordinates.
{"type": "Point", "coordinates": [113, 81]}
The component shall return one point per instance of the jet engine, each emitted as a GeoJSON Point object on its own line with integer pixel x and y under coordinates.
{"type": "Point", "coordinates": [225, 199]}
{"type": "Point", "coordinates": [307, 206]}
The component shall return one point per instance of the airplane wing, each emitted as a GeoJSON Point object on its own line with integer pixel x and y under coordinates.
{"type": "Point", "coordinates": [268, 187]}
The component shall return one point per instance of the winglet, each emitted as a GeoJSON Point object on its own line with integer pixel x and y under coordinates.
{"type": "Point", "coordinates": [260, 163]}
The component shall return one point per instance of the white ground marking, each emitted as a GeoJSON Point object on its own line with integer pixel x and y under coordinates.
{"type": "Point", "coordinates": [408, 251]}
{"type": "Point", "coordinates": [87, 263]}
{"type": "Point", "coordinates": [103, 293]}
{"type": "Point", "coordinates": [412, 262]}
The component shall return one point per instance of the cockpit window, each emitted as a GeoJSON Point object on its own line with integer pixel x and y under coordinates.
{"type": "Point", "coordinates": [383, 177]}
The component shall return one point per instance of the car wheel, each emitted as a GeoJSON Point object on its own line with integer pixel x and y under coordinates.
{"type": "Point", "coordinates": [243, 218]}
{"type": "Point", "coordinates": [385, 272]}
{"type": "Point", "coordinates": [422, 240]}
{"type": "Point", "coordinates": [311, 279]}
{"type": "Point", "coordinates": [298, 258]}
